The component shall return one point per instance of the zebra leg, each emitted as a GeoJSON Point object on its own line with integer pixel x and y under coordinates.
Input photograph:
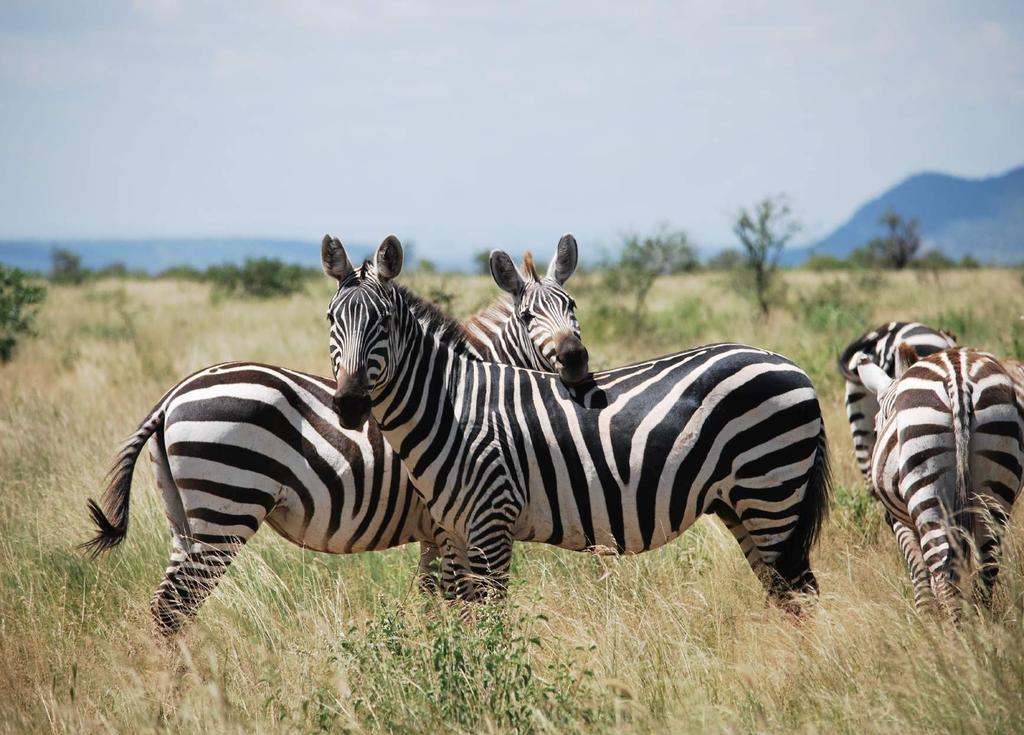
{"type": "Point", "coordinates": [906, 539]}
{"type": "Point", "coordinates": [746, 542]}
{"type": "Point", "coordinates": [490, 556]}
{"type": "Point", "coordinates": [426, 574]}
{"type": "Point", "coordinates": [940, 551]}
{"type": "Point", "coordinates": [201, 556]}
{"type": "Point", "coordinates": [785, 567]}
{"type": "Point", "coordinates": [988, 538]}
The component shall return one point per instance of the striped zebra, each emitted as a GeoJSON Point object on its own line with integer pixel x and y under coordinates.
{"type": "Point", "coordinates": [241, 443]}
{"type": "Point", "coordinates": [879, 345]}
{"type": "Point", "coordinates": [948, 464]}
{"type": "Point", "coordinates": [623, 461]}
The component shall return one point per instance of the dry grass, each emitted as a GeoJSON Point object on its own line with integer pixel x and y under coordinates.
{"type": "Point", "coordinates": [675, 640]}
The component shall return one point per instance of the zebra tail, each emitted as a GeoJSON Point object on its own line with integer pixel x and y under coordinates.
{"type": "Point", "coordinates": [112, 519]}
{"type": "Point", "coordinates": [815, 505]}
{"type": "Point", "coordinates": [962, 403]}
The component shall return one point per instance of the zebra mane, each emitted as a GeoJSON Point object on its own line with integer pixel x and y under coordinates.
{"type": "Point", "coordinates": [437, 323]}
{"type": "Point", "coordinates": [487, 321]}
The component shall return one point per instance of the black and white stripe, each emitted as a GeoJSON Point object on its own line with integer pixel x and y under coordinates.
{"type": "Point", "coordinates": [948, 464]}
{"type": "Point", "coordinates": [239, 444]}
{"type": "Point", "coordinates": [625, 460]}
{"type": "Point", "coordinates": [879, 346]}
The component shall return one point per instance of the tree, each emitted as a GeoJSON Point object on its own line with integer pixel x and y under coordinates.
{"type": "Point", "coordinates": [18, 300]}
{"type": "Point", "coordinates": [67, 267]}
{"type": "Point", "coordinates": [763, 233]}
{"type": "Point", "coordinates": [643, 259]}
{"type": "Point", "coordinates": [900, 244]}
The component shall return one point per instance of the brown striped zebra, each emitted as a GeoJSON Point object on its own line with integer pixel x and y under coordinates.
{"type": "Point", "coordinates": [879, 345]}
{"type": "Point", "coordinates": [948, 464]}
{"type": "Point", "coordinates": [241, 444]}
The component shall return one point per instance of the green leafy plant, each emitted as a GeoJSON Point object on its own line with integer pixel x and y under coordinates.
{"type": "Point", "coordinates": [261, 278]}
{"type": "Point", "coordinates": [642, 259]}
{"type": "Point", "coordinates": [66, 267]}
{"type": "Point", "coordinates": [19, 300]}
{"type": "Point", "coordinates": [462, 674]}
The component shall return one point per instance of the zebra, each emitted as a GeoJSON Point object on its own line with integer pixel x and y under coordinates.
{"type": "Point", "coordinates": [879, 345]}
{"type": "Point", "coordinates": [240, 443]}
{"type": "Point", "coordinates": [948, 464]}
{"type": "Point", "coordinates": [623, 461]}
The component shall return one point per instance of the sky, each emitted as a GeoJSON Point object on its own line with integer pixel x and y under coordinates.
{"type": "Point", "coordinates": [463, 125]}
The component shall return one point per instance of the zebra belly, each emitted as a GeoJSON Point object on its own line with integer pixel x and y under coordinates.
{"type": "Point", "coordinates": [240, 470]}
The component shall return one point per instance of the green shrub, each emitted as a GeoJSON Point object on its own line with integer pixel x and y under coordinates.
{"type": "Point", "coordinates": [18, 306]}
{"type": "Point", "coordinates": [835, 307]}
{"type": "Point", "coordinates": [466, 676]}
{"type": "Point", "coordinates": [261, 278]}
{"type": "Point", "coordinates": [67, 267]}
{"type": "Point", "coordinates": [726, 260]}
{"type": "Point", "coordinates": [643, 259]}
{"type": "Point", "coordinates": [824, 262]}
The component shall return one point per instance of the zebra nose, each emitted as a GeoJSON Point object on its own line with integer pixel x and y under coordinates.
{"type": "Point", "coordinates": [352, 400]}
{"type": "Point", "coordinates": [573, 359]}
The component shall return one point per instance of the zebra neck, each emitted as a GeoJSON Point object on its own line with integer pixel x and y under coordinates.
{"type": "Point", "coordinates": [498, 336]}
{"type": "Point", "coordinates": [438, 403]}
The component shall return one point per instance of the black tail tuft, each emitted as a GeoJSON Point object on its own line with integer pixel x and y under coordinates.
{"type": "Point", "coordinates": [112, 523]}
{"type": "Point", "coordinates": [109, 534]}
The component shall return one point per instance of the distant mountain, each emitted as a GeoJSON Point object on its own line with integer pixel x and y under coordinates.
{"type": "Point", "coordinates": [979, 217]}
{"type": "Point", "coordinates": [154, 255]}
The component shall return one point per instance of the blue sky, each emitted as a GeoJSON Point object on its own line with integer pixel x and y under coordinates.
{"type": "Point", "coordinates": [469, 125]}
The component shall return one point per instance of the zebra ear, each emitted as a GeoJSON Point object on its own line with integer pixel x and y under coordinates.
{"type": "Point", "coordinates": [505, 273]}
{"type": "Point", "coordinates": [906, 356]}
{"type": "Point", "coordinates": [334, 259]}
{"type": "Point", "coordinates": [873, 377]}
{"type": "Point", "coordinates": [563, 264]}
{"type": "Point", "coordinates": [389, 258]}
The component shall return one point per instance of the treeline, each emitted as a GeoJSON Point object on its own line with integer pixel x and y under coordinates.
{"type": "Point", "coordinates": [257, 277]}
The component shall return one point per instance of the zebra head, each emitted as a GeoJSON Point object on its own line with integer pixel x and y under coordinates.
{"type": "Point", "coordinates": [360, 315]}
{"type": "Point", "coordinates": [545, 314]}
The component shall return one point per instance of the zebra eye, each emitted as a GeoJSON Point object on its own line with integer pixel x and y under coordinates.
{"type": "Point", "coordinates": [330, 318]}
{"type": "Point", "coordinates": [526, 316]}
{"type": "Point", "coordinates": [572, 304]}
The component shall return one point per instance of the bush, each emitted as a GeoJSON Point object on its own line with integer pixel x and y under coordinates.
{"type": "Point", "coordinates": [824, 262]}
{"type": "Point", "coordinates": [261, 278]}
{"type": "Point", "coordinates": [727, 260]}
{"type": "Point", "coordinates": [835, 308]}
{"type": "Point", "coordinates": [18, 306]}
{"type": "Point", "coordinates": [182, 273]}
{"type": "Point", "coordinates": [464, 677]}
{"type": "Point", "coordinates": [645, 258]}
{"type": "Point", "coordinates": [67, 267]}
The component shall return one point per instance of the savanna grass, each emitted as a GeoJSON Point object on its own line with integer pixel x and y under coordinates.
{"type": "Point", "coordinates": [675, 640]}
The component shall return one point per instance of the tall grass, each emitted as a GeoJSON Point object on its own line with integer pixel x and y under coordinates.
{"type": "Point", "coordinates": [676, 640]}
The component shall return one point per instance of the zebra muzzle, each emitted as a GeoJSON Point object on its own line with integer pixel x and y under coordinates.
{"type": "Point", "coordinates": [573, 360]}
{"type": "Point", "coordinates": [352, 400]}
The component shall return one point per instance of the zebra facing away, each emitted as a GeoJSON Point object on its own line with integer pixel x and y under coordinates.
{"type": "Point", "coordinates": [626, 459]}
{"type": "Point", "coordinates": [948, 464]}
{"type": "Point", "coordinates": [879, 345]}
{"type": "Point", "coordinates": [241, 443]}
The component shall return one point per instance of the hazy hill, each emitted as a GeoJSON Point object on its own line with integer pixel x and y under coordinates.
{"type": "Point", "coordinates": [980, 217]}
